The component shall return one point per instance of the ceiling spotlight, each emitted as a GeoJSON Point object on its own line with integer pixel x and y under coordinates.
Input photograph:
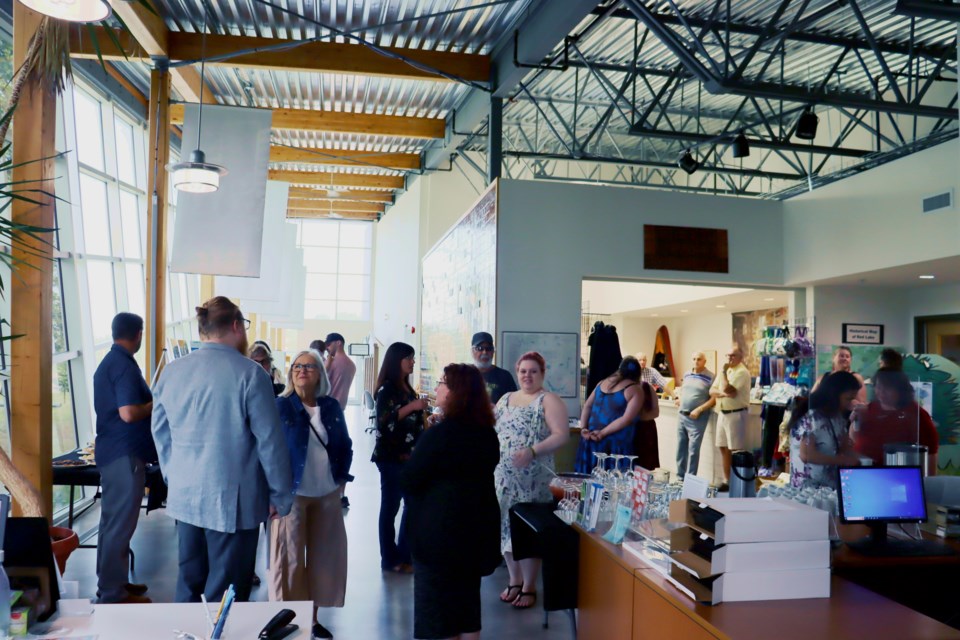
{"type": "Point", "coordinates": [741, 146]}
{"type": "Point", "coordinates": [807, 125]}
{"type": "Point", "coordinates": [927, 277]}
{"type": "Point", "coordinates": [684, 310]}
{"type": "Point", "coordinates": [721, 306]}
{"type": "Point", "coordinates": [687, 162]}
{"type": "Point", "coordinates": [71, 10]}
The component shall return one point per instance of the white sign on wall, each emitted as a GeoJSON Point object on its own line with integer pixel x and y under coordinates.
{"type": "Point", "coordinates": [862, 333]}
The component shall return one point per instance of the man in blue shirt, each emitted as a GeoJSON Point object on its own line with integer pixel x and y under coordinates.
{"type": "Point", "coordinates": [222, 453]}
{"type": "Point", "coordinates": [124, 445]}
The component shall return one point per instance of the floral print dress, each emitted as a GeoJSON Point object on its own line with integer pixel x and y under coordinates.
{"type": "Point", "coordinates": [830, 434]}
{"type": "Point", "coordinates": [518, 428]}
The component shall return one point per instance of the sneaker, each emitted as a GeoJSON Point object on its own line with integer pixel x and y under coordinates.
{"type": "Point", "coordinates": [345, 502]}
{"type": "Point", "coordinates": [135, 588]}
{"type": "Point", "coordinates": [320, 631]}
{"type": "Point", "coordinates": [724, 488]}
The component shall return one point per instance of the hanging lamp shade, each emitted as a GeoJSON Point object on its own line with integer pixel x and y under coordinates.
{"type": "Point", "coordinates": [71, 10]}
{"type": "Point", "coordinates": [196, 175]}
{"type": "Point", "coordinates": [741, 146]}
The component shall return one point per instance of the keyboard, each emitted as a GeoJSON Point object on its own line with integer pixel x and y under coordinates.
{"type": "Point", "coordinates": [903, 548]}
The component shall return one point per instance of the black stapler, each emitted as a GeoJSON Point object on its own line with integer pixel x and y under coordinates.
{"type": "Point", "coordinates": [279, 626]}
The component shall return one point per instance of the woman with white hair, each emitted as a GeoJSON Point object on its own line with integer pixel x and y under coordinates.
{"type": "Point", "coordinates": [308, 547]}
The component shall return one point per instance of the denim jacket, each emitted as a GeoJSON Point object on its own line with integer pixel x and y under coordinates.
{"type": "Point", "coordinates": [295, 422]}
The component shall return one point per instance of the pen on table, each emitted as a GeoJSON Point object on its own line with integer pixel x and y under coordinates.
{"type": "Point", "coordinates": [223, 601]}
{"type": "Point", "coordinates": [222, 620]}
{"type": "Point", "coordinates": [206, 611]}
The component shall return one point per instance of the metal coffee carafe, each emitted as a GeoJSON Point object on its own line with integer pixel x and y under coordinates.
{"type": "Point", "coordinates": [906, 454]}
{"type": "Point", "coordinates": [743, 475]}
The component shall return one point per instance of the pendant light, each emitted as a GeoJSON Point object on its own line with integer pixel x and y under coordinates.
{"type": "Point", "coordinates": [807, 125]}
{"type": "Point", "coordinates": [71, 10]}
{"type": "Point", "coordinates": [197, 175]}
{"type": "Point", "coordinates": [688, 163]}
{"type": "Point", "coordinates": [741, 146]}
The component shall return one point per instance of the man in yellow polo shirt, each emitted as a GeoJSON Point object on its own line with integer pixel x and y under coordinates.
{"type": "Point", "coordinates": [731, 388]}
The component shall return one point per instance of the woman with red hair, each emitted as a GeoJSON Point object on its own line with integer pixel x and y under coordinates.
{"type": "Point", "coordinates": [453, 522]}
{"type": "Point", "coordinates": [531, 424]}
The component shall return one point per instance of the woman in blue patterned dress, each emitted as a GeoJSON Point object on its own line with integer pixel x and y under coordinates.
{"type": "Point", "coordinates": [609, 415]}
{"type": "Point", "coordinates": [531, 425]}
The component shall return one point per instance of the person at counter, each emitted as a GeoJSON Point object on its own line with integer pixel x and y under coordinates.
{"type": "Point", "coordinates": [819, 439]}
{"type": "Point", "coordinates": [531, 425]}
{"type": "Point", "coordinates": [498, 381]}
{"type": "Point", "coordinates": [609, 415]}
{"type": "Point", "coordinates": [649, 375]}
{"type": "Point", "coordinates": [694, 402]}
{"type": "Point", "coordinates": [843, 361]}
{"type": "Point", "coordinates": [731, 389]}
{"type": "Point", "coordinates": [893, 417]}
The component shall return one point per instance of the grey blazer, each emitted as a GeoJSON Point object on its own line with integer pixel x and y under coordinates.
{"type": "Point", "coordinates": [219, 440]}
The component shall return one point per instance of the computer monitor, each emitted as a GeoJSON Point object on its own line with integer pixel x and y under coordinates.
{"type": "Point", "coordinates": [878, 496]}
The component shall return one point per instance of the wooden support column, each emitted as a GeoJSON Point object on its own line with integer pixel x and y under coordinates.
{"type": "Point", "coordinates": [159, 155]}
{"type": "Point", "coordinates": [206, 288]}
{"type": "Point", "coordinates": [34, 126]}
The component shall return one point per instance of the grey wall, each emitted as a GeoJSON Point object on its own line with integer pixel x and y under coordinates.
{"type": "Point", "coordinates": [551, 236]}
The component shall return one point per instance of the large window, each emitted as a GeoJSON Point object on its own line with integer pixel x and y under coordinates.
{"type": "Point", "coordinates": [337, 256]}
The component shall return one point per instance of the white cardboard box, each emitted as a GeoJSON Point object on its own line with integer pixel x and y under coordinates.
{"type": "Point", "coordinates": [752, 519]}
{"type": "Point", "coordinates": [740, 586]}
{"type": "Point", "coordinates": [748, 556]}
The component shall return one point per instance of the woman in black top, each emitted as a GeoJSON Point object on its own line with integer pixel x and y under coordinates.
{"type": "Point", "coordinates": [399, 424]}
{"type": "Point", "coordinates": [454, 524]}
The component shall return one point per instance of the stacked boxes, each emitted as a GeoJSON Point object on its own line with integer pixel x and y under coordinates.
{"type": "Point", "coordinates": [948, 521]}
{"type": "Point", "coordinates": [736, 549]}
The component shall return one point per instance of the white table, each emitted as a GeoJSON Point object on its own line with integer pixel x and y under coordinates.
{"type": "Point", "coordinates": [157, 621]}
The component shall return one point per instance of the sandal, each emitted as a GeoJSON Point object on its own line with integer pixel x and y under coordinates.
{"type": "Point", "coordinates": [529, 594]}
{"type": "Point", "coordinates": [509, 590]}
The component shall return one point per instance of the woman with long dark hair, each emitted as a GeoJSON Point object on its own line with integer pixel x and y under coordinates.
{"type": "Point", "coordinates": [399, 425]}
{"type": "Point", "coordinates": [819, 436]}
{"type": "Point", "coordinates": [609, 415]}
{"type": "Point", "coordinates": [454, 522]}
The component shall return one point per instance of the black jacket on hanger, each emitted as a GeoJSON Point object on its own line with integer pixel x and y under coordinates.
{"type": "Point", "coordinates": [605, 354]}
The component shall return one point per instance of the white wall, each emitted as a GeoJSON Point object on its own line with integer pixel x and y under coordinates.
{"type": "Point", "coordinates": [396, 277]}
{"type": "Point", "coordinates": [698, 332]}
{"type": "Point", "coordinates": [833, 306]}
{"type": "Point", "coordinates": [872, 220]}
{"type": "Point", "coordinates": [551, 236]}
{"type": "Point", "coordinates": [446, 197]}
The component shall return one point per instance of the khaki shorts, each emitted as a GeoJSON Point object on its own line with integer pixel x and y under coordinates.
{"type": "Point", "coordinates": [732, 430]}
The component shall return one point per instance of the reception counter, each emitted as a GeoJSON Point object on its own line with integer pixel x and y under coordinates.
{"type": "Point", "coordinates": [621, 597]}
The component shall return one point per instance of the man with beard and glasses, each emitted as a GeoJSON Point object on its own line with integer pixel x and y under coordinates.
{"type": "Point", "coordinates": [499, 381]}
{"type": "Point", "coordinates": [222, 453]}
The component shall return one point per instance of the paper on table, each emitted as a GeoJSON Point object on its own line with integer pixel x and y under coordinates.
{"type": "Point", "coordinates": [694, 487]}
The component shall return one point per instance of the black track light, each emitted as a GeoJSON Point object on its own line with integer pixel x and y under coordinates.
{"type": "Point", "coordinates": [807, 125]}
{"type": "Point", "coordinates": [741, 146]}
{"type": "Point", "coordinates": [687, 162]}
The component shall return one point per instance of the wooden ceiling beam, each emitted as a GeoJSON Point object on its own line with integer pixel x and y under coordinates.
{"type": "Point", "coordinates": [347, 158]}
{"type": "Point", "coordinates": [307, 193]}
{"type": "Point", "coordinates": [148, 37]}
{"type": "Point", "coordinates": [321, 215]}
{"type": "Point", "coordinates": [340, 122]}
{"type": "Point", "coordinates": [330, 57]}
{"type": "Point", "coordinates": [296, 204]}
{"type": "Point", "coordinates": [328, 179]}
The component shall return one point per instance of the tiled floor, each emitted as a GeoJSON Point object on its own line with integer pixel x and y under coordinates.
{"type": "Point", "coordinates": [378, 606]}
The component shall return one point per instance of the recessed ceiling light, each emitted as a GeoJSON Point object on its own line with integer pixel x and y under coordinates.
{"type": "Point", "coordinates": [684, 310]}
{"type": "Point", "coordinates": [654, 315]}
{"type": "Point", "coordinates": [721, 306]}
{"type": "Point", "coordinates": [768, 299]}
{"type": "Point", "coordinates": [927, 277]}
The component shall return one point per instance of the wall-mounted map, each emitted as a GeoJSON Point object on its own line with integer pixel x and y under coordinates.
{"type": "Point", "coordinates": [559, 351]}
{"type": "Point", "coordinates": [459, 289]}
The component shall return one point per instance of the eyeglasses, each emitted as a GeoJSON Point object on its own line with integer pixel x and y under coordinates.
{"type": "Point", "coordinates": [246, 323]}
{"type": "Point", "coordinates": [304, 367]}
{"type": "Point", "coordinates": [441, 381]}
{"type": "Point", "coordinates": [482, 348]}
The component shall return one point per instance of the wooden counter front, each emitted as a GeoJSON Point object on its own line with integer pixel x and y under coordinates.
{"type": "Point", "coordinates": [648, 606]}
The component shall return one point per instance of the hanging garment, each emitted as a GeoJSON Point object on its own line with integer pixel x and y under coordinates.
{"type": "Point", "coordinates": [604, 354]}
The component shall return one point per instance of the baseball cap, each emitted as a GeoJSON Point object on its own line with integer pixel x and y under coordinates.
{"type": "Point", "coordinates": [333, 337]}
{"type": "Point", "coordinates": [480, 337]}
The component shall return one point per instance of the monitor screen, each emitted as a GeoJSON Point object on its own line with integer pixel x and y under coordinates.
{"type": "Point", "coordinates": [881, 494]}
